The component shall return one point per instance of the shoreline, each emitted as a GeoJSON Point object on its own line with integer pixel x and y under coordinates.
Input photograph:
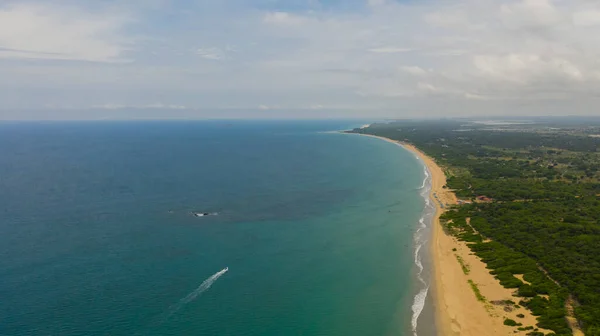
{"type": "Point", "coordinates": [456, 307]}
{"type": "Point", "coordinates": [436, 195]}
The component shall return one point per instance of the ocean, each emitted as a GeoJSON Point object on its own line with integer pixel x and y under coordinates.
{"type": "Point", "coordinates": [306, 232]}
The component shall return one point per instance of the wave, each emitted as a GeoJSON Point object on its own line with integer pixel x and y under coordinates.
{"type": "Point", "coordinates": [417, 259]}
{"type": "Point", "coordinates": [421, 239]}
{"type": "Point", "coordinates": [419, 300]}
{"type": "Point", "coordinates": [425, 179]}
{"type": "Point", "coordinates": [204, 286]}
{"type": "Point", "coordinates": [417, 308]}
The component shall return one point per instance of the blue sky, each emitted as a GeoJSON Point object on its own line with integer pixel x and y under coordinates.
{"type": "Point", "coordinates": [68, 59]}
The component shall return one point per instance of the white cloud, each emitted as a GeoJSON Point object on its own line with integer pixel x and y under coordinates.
{"type": "Point", "coordinates": [427, 87]}
{"type": "Point", "coordinates": [111, 106]}
{"type": "Point", "coordinates": [42, 31]}
{"type": "Point", "coordinates": [390, 50]}
{"type": "Point", "coordinates": [386, 55]}
{"type": "Point", "coordinates": [587, 18]}
{"type": "Point", "coordinates": [531, 13]}
{"type": "Point", "coordinates": [474, 96]}
{"type": "Point", "coordinates": [527, 68]}
{"type": "Point", "coordinates": [283, 18]}
{"type": "Point", "coordinates": [448, 19]}
{"type": "Point", "coordinates": [414, 70]}
{"type": "Point", "coordinates": [210, 53]}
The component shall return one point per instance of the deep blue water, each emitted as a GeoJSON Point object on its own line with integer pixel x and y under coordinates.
{"type": "Point", "coordinates": [97, 235]}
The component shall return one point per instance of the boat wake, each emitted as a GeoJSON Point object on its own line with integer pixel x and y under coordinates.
{"type": "Point", "coordinates": [204, 286]}
{"type": "Point", "coordinates": [161, 319]}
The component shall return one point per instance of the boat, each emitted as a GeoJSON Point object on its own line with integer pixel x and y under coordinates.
{"type": "Point", "coordinates": [204, 214]}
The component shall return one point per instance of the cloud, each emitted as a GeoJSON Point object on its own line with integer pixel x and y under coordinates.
{"type": "Point", "coordinates": [210, 53]}
{"type": "Point", "coordinates": [43, 31]}
{"type": "Point", "coordinates": [587, 18]}
{"type": "Point", "coordinates": [414, 70]}
{"type": "Point", "coordinates": [527, 68]}
{"type": "Point", "coordinates": [216, 53]}
{"type": "Point", "coordinates": [458, 57]}
{"type": "Point", "coordinates": [161, 106]}
{"type": "Point", "coordinates": [448, 19]}
{"type": "Point", "coordinates": [390, 50]}
{"type": "Point", "coordinates": [376, 3]}
{"type": "Point", "coordinates": [531, 13]}
{"type": "Point", "coordinates": [474, 96]}
{"type": "Point", "coordinates": [283, 18]}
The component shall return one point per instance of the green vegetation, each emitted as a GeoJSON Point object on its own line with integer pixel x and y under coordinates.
{"type": "Point", "coordinates": [532, 195]}
{"type": "Point", "coordinates": [535, 333]}
{"type": "Point", "coordinates": [478, 294]}
{"type": "Point", "coordinates": [463, 265]}
{"type": "Point", "coordinates": [511, 323]}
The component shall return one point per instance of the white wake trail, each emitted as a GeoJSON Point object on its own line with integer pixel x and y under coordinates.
{"type": "Point", "coordinates": [204, 286]}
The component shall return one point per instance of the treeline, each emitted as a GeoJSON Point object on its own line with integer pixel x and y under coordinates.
{"type": "Point", "coordinates": [520, 189]}
{"type": "Point", "coordinates": [505, 262]}
{"type": "Point", "coordinates": [544, 213]}
{"type": "Point", "coordinates": [461, 133]}
{"type": "Point", "coordinates": [562, 236]}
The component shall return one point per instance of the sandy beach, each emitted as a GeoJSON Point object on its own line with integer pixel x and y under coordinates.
{"type": "Point", "coordinates": [457, 309]}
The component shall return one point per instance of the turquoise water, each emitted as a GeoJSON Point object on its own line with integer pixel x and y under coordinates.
{"type": "Point", "coordinates": [97, 236]}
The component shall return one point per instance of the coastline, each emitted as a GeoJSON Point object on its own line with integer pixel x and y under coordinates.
{"type": "Point", "coordinates": [457, 309]}
{"type": "Point", "coordinates": [443, 322]}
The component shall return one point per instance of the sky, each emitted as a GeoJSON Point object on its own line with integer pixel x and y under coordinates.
{"type": "Point", "coordinates": [89, 59]}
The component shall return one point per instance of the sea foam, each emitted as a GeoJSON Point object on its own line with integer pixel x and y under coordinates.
{"type": "Point", "coordinates": [420, 239]}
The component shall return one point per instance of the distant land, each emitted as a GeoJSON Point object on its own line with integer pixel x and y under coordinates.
{"type": "Point", "coordinates": [524, 234]}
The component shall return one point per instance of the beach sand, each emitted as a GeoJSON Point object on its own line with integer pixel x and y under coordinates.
{"type": "Point", "coordinates": [457, 309]}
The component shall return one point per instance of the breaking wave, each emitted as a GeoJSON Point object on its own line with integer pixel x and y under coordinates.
{"type": "Point", "coordinates": [420, 239]}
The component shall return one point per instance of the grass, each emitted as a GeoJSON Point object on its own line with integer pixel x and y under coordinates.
{"type": "Point", "coordinates": [463, 265]}
{"type": "Point", "coordinates": [478, 294]}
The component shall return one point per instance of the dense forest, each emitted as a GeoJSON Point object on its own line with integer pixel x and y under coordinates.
{"type": "Point", "coordinates": [541, 211]}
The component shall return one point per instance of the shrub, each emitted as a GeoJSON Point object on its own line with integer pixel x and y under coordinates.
{"type": "Point", "coordinates": [535, 333]}
{"type": "Point", "coordinates": [511, 323]}
{"type": "Point", "coordinates": [526, 291]}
